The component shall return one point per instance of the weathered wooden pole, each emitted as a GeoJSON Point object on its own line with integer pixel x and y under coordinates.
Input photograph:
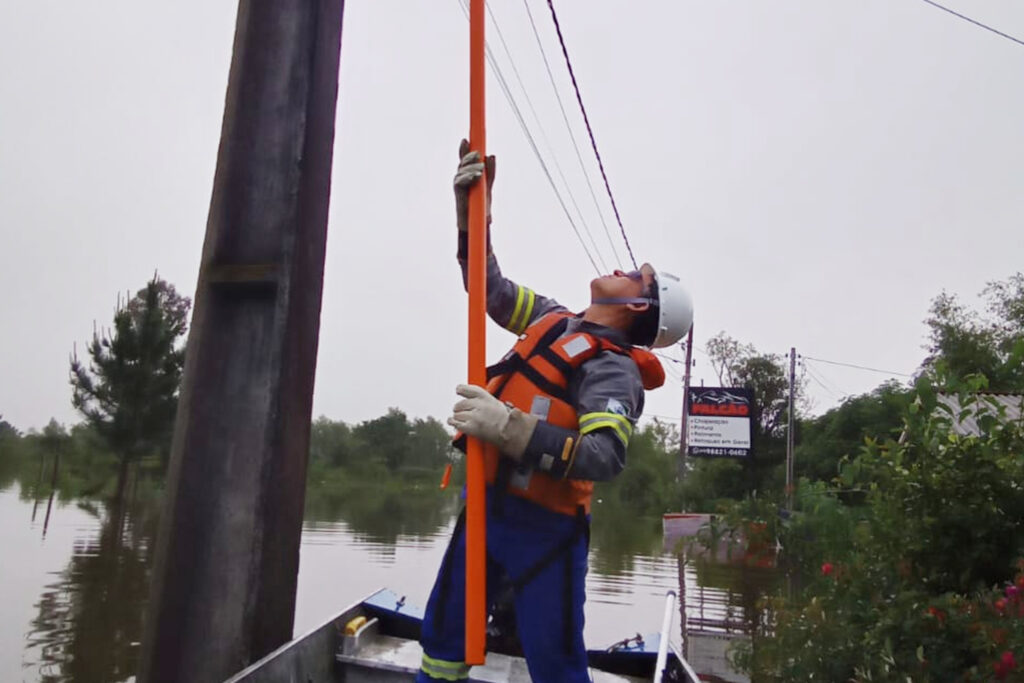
{"type": "Point", "coordinates": [227, 557]}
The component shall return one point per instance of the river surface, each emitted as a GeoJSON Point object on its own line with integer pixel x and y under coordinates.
{"type": "Point", "coordinates": [73, 583]}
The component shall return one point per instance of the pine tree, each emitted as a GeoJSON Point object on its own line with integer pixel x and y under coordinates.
{"type": "Point", "coordinates": [128, 392]}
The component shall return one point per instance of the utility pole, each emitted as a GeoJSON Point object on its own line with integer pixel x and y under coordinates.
{"type": "Point", "coordinates": [685, 422]}
{"type": "Point", "coordinates": [790, 441]}
{"type": "Point", "coordinates": [227, 556]}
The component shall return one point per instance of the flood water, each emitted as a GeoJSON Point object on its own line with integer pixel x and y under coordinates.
{"type": "Point", "coordinates": [74, 580]}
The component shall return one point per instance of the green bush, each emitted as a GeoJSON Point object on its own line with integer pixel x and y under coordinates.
{"type": "Point", "coordinates": [921, 583]}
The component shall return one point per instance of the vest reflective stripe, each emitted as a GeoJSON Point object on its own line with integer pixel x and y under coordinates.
{"type": "Point", "coordinates": [444, 670]}
{"type": "Point", "coordinates": [522, 312]}
{"type": "Point", "coordinates": [621, 425]}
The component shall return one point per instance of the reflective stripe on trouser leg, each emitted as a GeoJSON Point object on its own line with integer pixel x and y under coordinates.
{"type": "Point", "coordinates": [442, 670]}
{"type": "Point", "coordinates": [443, 626]}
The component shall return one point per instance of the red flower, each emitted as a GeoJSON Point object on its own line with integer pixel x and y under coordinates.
{"type": "Point", "coordinates": [1000, 604]}
{"type": "Point", "coordinates": [937, 613]}
{"type": "Point", "coordinates": [1020, 581]}
{"type": "Point", "coordinates": [1005, 665]}
{"type": "Point", "coordinates": [827, 569]}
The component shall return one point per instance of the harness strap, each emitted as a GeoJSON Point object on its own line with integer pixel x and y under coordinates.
{"type": "Point", "coordinates": [515, 362]}
{"type": "Point", "coordinates": [542, 383]}
{"type": "Point", "coordinates": [580, 529]}
{"type": "Point", "coordinates": [557, 361]}
{"type": "Point", "coordinates": [502, 478]}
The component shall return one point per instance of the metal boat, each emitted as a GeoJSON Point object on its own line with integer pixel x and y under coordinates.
{"type": "Point", "coordinates": [376, 640]}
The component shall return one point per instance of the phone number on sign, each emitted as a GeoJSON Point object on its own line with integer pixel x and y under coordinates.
{"type": "Point", "coordinates": [699, 450]}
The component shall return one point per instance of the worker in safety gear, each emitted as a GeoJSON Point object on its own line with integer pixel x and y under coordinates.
{"type": "Point", "coordinates": [559, 409]}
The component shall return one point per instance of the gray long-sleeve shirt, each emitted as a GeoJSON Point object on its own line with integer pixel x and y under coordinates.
{"type": "Point", "coordinates": [606, 391]}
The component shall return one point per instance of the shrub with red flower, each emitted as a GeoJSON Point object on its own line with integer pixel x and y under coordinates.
{"type": "Point", "coordinates": [1004, 665]}
{"type": "Point", "coordinates": [920, 573]}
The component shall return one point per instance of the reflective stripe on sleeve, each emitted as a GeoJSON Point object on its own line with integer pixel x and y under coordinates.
{"type": "Point", "coordinates": [444, 670]}
{"type": "Point", "coordinates": [620, 424]}
{"type": "Point", "coordinates": [523, 310]}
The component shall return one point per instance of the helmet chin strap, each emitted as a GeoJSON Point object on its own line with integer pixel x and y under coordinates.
{"type": "Point", "coordinates": [626, 300]}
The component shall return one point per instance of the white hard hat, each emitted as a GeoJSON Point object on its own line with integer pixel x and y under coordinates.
{"type": "Point", "coordinates": [675, 309]}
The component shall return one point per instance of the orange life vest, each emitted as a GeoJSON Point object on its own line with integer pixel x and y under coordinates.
{"type": "Point", "coordinates": [534, 377]}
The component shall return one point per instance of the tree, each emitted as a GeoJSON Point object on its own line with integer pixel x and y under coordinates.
{"type": "Point", "coordinates": [647, 485]}
{"type": "Point", "coordinates": [7, 430]}
{"type": "Point", "coordinates": [430, 443]}
{"type": "Point", "coordinates": [963, 342]}
{"type": "Point", "coordinates": [842, 431]}
{"type": "Point", "coordinates": [128, 392]}
{"type": "Point", "coordinates": [766, 376]}
{"type": "Point", "coordinates": [332, 443]}
{"type": "Point", "coordinates": [386, 438]}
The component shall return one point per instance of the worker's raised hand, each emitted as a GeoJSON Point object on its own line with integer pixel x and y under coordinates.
{"type": "Point", "coordinates": [469, 172]}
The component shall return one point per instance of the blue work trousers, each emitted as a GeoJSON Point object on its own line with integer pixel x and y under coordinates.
{"type": "Point", "coordinates": [519, 535]}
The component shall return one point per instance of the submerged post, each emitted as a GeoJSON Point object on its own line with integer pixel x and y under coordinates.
{"type": "Point", "coordinates": [223, 591]}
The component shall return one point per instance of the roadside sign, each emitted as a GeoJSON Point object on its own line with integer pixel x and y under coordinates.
{"type": "Point", "coordinates": [718, 422]}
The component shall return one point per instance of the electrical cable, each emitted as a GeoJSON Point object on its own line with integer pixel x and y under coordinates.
{"type": "Point", "coordinates": [976, 23]}
{"type": "Point", "coordinates": [529, 138]}
{"type": "Point", "coordinates": [664, 417]}
{"type": "Point", "coordinates": [813, 376]}
{"type": "Point", "coordinates": [857, 367]}
{"type": "Point", "coordinates": [668, 357]}
{"type": "Point", "coordinates": [568, 127]}
{"type": "Point", "coordinates": [590, 131]}
{"type": "Point", "coordinates": [547, 142]}
{"type": "Point", "coordinates": [832, 386]}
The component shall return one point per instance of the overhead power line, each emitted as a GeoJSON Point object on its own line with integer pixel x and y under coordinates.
{"type": "Point", "coordinates": [668, 357]}
{"type": "Point", "coordinates": [529, 138]}
{"type": "Point", "coordinates": [547, 142]}
{"type": "Point", "coordinates": [837, 395]}
{"type": "Point", "coordinates": [976, 23]}
{"type": "Point", "coordinates": [590, 131]}
{"type": "Point", "coordinates": [858, 367]}
{"type": "Point", "coordinates": [568, 127]}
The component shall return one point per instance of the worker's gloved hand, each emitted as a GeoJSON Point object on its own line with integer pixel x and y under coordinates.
{"type": "Point", "coordinates": [468, 173]}
{"type": "Point", "coordinates": [481, 415]}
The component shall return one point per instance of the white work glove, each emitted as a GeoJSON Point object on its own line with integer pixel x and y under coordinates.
{"type": "Point", "coordinates": [481, 415]}
{"type": "Point", "coordinates": [469, 172]}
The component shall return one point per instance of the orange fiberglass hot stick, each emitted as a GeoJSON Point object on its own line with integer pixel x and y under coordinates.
{"type": "Point", "coordinates": [476, 509]}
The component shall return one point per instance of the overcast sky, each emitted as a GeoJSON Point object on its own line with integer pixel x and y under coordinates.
{"type": "Point", "coordinates": [816, 171]}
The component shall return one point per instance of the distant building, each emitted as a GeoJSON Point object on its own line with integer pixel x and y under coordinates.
{"type": "Point", "coordinates": [965, 422]}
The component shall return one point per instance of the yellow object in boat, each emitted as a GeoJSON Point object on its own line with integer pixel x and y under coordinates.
{"type": "Point", "coordinates": [354, 625]}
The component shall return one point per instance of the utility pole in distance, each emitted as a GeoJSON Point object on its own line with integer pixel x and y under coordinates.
{"type": "Point", "coordinates": [227, 557]}
{"type": "Point", "coordinates": [683, 432]}
{"type": "Point", "coordinates": [790, 441]}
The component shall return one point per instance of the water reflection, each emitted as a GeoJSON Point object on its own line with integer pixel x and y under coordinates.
{"type": "Point", "coordinates": [90, 619]}
{"type": "Point", "coordinates": [86, 616]}
{"type": "Point", "coordinates": [382, 514]}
